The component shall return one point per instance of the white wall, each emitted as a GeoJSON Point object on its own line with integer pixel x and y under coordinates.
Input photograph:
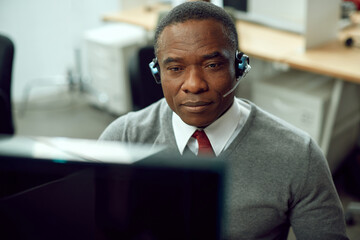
{"type": "Point", "coordinates": [46, 32]}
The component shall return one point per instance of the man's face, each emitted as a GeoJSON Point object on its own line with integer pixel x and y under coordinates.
{"type": "Point", "coordinates": [197, 68]}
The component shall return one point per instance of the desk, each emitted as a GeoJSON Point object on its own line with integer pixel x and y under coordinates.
{"type": "Point", "coordinates": [144, 16]}
{"type": "Point", "coordinates": [331, 59]}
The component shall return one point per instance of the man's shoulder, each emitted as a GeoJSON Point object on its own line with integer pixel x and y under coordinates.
{"type": "Point", "coordinates": [274, 134]}
{"type": "Point", "coordinates": [135, 124]}
{"type": "Point", "coordinates": [154, 112]}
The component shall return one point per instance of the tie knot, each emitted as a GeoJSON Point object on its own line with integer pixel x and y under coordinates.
{"type": "Point", "coordinates": [205, 148]}
{"type": "Point", "coordinates": [199, 134]}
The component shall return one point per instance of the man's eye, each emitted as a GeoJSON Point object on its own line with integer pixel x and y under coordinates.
{"type": "Point", "coordinates": [174, 69]}
{"type": "Point", "coordinates": [214, 65]}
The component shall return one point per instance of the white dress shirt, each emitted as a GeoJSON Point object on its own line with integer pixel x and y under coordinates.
{"type": "Point", "coordinates": [220, 133]}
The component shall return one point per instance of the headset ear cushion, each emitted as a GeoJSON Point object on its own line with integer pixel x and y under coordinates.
{"type": "Point", "coordinates": [155, 70]}
{"type": "Point", "coordinates": [239, 64]}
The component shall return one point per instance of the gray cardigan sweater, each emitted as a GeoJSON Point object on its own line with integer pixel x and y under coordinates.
{"type": "Point", "coordinates": [277, 176]}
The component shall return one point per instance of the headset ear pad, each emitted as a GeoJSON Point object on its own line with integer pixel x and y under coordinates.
{"type": "Point", "coordinates": [155, 70]}
{"type": "Point", "coordinates": [239, 65]}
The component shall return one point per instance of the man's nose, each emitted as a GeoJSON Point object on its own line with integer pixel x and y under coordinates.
{"type": "Point", "coordinates": [195, 81]}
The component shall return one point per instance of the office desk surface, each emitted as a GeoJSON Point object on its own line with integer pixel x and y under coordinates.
{"type": "Point", "coordinates": [144, 16]}
{"type": "Point", "coordinates": [331, 59]}
{"type": "Point", "coordinates": [267, 43]}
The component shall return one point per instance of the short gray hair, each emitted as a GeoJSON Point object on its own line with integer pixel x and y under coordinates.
{"type": "Point", "coordinates": [197, 10]}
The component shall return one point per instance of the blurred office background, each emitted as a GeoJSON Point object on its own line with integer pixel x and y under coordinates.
{"type": "Point", "coordinates": [74, 73]}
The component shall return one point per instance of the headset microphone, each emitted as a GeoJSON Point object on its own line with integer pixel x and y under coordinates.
{"type": "Point", "coordinates": [242, 67]}
{"type": "Point", "coordinates": [231, 90]}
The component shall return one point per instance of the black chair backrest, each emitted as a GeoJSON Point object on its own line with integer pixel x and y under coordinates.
{"type": "Point", "coordinates": [145, 90]}
{"type": "Point", "coordinates": [6, 64]}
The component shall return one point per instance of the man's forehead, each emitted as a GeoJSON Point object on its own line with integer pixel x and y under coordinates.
{"type": "Point", "coordinates": [186, 35]}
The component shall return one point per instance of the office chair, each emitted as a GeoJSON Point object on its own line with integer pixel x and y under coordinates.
{"type": "Point", "coordinates": [6, 63]}
{"type": "Point", "coordinates": [145, 90]}
{"type": "Point", "coordinates": [352, 170]}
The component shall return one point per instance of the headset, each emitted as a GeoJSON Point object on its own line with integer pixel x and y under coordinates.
{"type": "Point", "coordinates": [242, 67]}
{"type": "Point", "coordinates": [155, 70]}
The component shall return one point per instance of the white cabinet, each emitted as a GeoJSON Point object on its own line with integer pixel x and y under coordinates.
{"type": "Point", "coordinates": [303, 100]}
{"type": "Point", "coordinates": [109, 51]}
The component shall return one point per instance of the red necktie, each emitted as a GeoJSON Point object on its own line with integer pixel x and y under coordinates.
{"type": "Point", "coordinates": [205, 148]}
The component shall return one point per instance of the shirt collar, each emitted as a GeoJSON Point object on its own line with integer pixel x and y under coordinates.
{"type": "Point", "coordinates": [182, 131]}
{"type": "Point", "coordinates": [219, 132]}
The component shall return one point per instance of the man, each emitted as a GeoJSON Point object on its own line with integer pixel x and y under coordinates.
{"type": "Point", "coordinates": [277, 176]}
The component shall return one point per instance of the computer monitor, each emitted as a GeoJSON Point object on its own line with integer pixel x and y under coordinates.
{"type": "Point", "coordinates": [54, 189]}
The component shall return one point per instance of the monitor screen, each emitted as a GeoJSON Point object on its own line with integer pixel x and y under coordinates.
{"type": "Point", "coordinates": [63, 194]}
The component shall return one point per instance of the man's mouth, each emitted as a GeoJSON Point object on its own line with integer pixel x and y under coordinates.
{"type": "Point", "coordinates": [198, 106]}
